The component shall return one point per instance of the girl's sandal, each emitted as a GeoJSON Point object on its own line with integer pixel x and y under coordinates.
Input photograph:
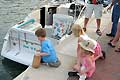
{"type": "Point", "coordinates": [84, 29]}
{"type": "Point", "coordinates": [111, 40]}
{"type": "Point", "coordinates": [98, 32]}
{"type": "Point", "coordinates": [111, 45]}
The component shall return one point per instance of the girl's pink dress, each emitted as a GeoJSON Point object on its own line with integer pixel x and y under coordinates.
{"type": "Point", "coordinates": [85, 63]}
{"type": "Point", "coordinates": [97, 50]}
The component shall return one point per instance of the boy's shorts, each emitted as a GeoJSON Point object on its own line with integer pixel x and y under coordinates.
{"type": "Point", "coordinates": [96, 8]}
{"type": "Point", "coordinates": [53, 64]}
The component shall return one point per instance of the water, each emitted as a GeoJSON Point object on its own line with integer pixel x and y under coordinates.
{"type": "Point", "coordinates": [11, 12]}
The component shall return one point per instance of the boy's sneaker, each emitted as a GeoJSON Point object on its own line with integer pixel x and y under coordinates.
{"type": "Point", "coordinates": [55, 64]}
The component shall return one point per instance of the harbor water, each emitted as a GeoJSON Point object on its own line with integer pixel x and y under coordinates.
{"type": "Point", "coordinates": [12, 12]}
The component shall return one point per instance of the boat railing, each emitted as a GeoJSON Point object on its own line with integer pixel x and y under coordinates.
{"type": "Point", "coordinates": [24, 23]}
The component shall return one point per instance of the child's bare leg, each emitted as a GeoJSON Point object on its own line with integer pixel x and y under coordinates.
{"type": "Point", "coordinates": [100, 53]}
{"type": "Point", "coordinates": [98, 56]}
{"type": "Point", "coordinates": [76, 67]}
{"type": "Point", "coordinates": [83, 75]}
{"type": "Point", "coordinates": [101, 56]}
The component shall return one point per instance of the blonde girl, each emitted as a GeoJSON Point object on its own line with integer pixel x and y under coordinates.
{"type": "Point", "coordinates": [78, 32]}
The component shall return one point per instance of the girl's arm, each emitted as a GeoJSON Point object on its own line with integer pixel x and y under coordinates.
{"type": "Point", "coordinates": [77, 65]}
{"type": "Point", "coordinates": [78, 55]}
{"type": "Point", "coordinates": [79, 58]}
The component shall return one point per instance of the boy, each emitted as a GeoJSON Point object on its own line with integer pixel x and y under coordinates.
{"type": "Point", "coordinates": [47, 52]}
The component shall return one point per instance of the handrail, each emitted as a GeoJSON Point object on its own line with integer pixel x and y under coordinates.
{"type": "Point", "coordinates": [24, 23]}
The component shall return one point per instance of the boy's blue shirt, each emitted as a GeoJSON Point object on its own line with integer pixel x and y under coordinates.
{"type": "Point", "coordinates": [47, 47]}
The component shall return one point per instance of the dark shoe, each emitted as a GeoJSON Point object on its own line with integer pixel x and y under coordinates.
{"type": "Point", "coordinates": [54, 64]}
{"type": "Point", "coordinates": [98, 32]}
{"type": "Point", "coordinates": [110, 35]}
{"type": "Point", "coordinates": [111, 45]}
{"type": "Point", "coordinates": [73, 78]}
{"type": "Point", "coordinates": [104, 55]}
{"type": "Point", "coordinates": [117, 50]}
{"type": "Point", "coordinates": [111, 40]}
{"type": "Point", "coordinates": [84, 29]}
{"type": "Point", "coordinates": [72, 73]}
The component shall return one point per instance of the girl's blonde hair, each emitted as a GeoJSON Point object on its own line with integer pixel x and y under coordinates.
{"type": "Point", "coordinates": [77, 30]}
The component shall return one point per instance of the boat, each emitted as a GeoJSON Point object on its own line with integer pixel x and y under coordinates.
{"type": "Point", "coordinates": [20, 42]}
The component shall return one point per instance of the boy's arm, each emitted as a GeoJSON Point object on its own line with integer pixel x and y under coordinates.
{"type": "Point", "coordinates": [44, 50]}
{"type": "Point", "coordinates": [44, 54]}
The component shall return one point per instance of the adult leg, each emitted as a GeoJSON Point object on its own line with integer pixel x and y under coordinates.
{"type": "Point", "coordinates": [98, 15]}
{"type": "Point", "coordinates": [114, 25]}
{"type": "Point", "coordinates": [85, 23]}
{"type": "Point", "coordinates": [115, 19]}
{"type": "Point", "coordinates": [88, 14]}
{"type": "Point", "coordinates": [98, 23]}
{"type": "Point", "coordinates": [117, 36]}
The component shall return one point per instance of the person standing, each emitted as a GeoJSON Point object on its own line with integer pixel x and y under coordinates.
{"type": "Point", "coordinates": [96, 6]}
{"type": "Point", "coordinates": [114, 41]}
{"type": "Point", "coordinates": [115, 17]}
